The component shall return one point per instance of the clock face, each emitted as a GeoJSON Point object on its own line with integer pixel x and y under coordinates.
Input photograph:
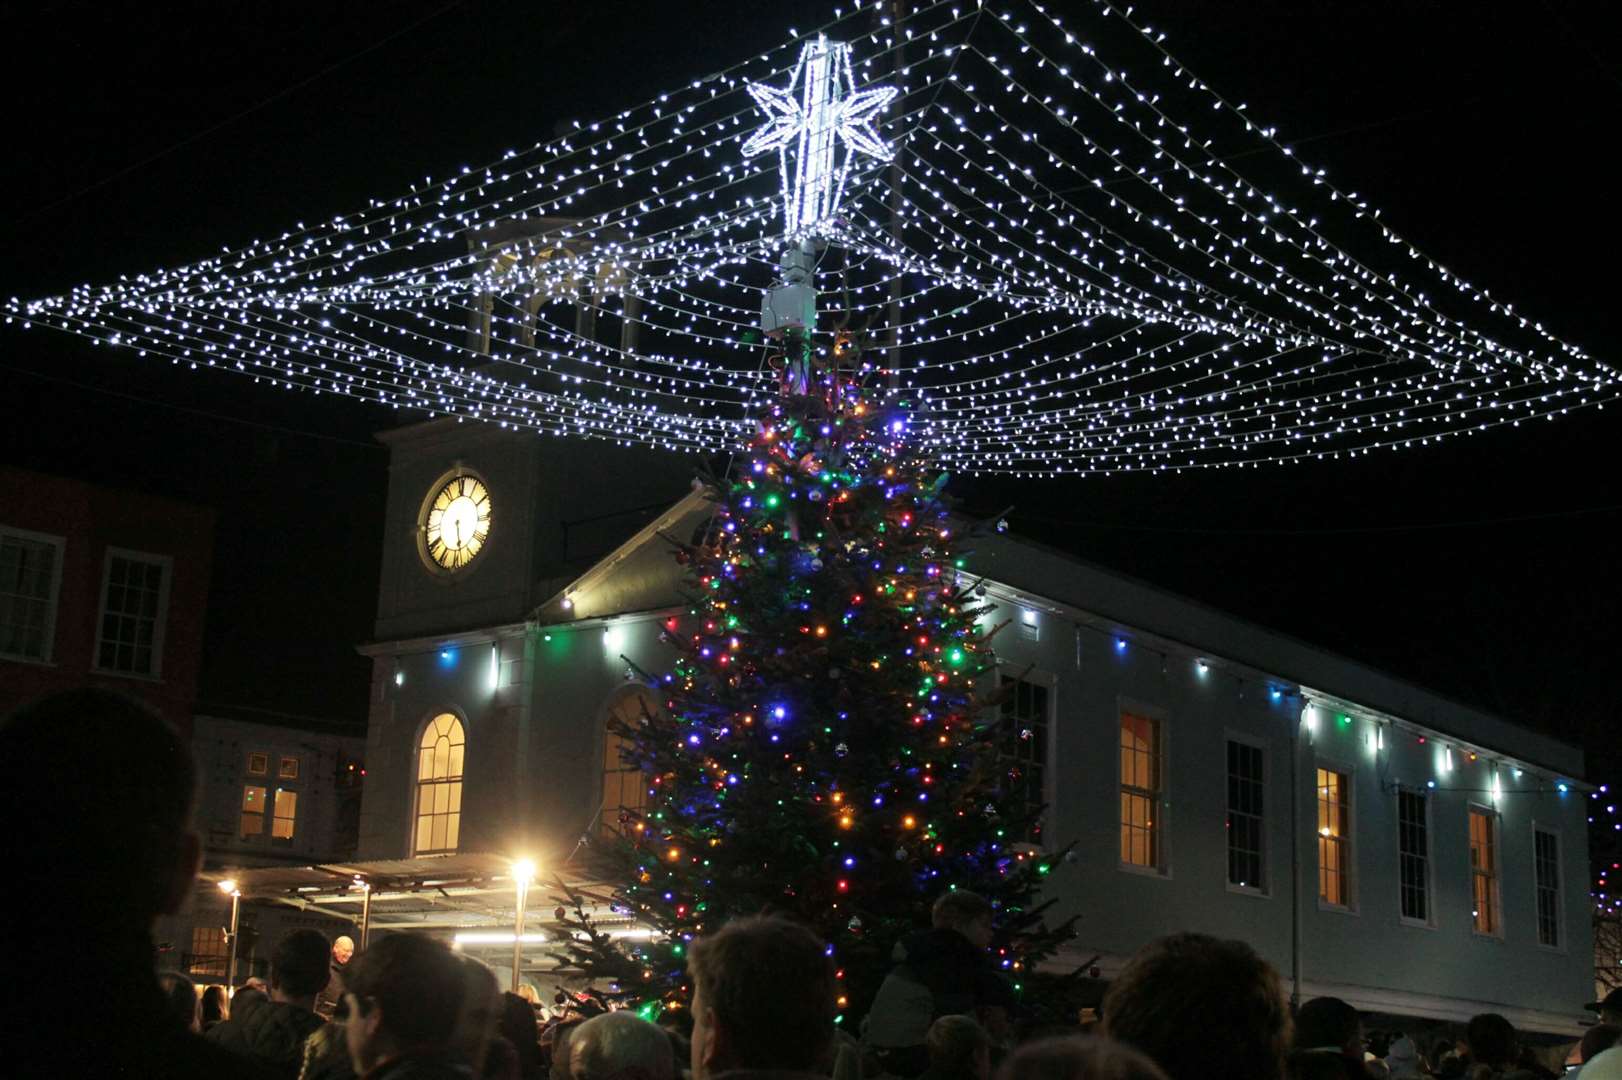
{"type": "Point", "coordinates": [458, 522]}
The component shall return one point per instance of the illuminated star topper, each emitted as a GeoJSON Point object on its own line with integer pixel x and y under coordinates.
{"type": "Point", "coordinates": [828, 105]}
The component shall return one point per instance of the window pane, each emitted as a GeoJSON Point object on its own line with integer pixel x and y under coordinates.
{"type": "Point", "coordinates": [129, 625]}
{"type": "Point", "coordinates": [286, 814]}
{"type": "Point", "coordinates": [1484, 871]}
{"type": "Point", "coordinates": [1413, 854]}
{"type": "Point", "coordinates": [1334, 853]}
{"type": "Point", "coordinates": [253, 811]}
{"type": "Point", "coordinates": [1245, 821]}
{"type": "Point", "coordinates": [289, 769]}
{"type": "Point", "coordinates": [27, 568]}
{"type": "Point", "coordinates": [1141, 794]}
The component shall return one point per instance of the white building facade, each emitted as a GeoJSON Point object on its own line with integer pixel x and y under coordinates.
{"type": "Point", "coordinates": [1374, 841]}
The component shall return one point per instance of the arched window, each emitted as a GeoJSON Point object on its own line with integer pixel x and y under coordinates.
{"type": "Point", "coordinates": [625, 787]}
{"type": "Point", "coordinates": [439, 785]}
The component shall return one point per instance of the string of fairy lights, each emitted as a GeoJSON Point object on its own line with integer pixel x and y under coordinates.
{"type": "Point", "coordinates": [1049, 247]}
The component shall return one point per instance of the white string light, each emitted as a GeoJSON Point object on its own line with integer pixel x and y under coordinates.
{"type": "Point", "coordinates": [1054, 255]}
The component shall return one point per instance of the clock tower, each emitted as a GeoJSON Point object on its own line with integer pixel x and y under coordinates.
{"type": "Point", "coordinates": [483, 525]}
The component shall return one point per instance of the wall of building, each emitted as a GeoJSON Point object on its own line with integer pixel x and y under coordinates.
{"type": "Point", "coordinates": [330, 769]}
{"type": "Point", "coordinates": [89, 520]}
{"type": "Point", "coordinates": [1366, 953]}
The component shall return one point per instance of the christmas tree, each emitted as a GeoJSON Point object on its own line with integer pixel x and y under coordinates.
{"type": "Point", "coordinates": [828, 743]}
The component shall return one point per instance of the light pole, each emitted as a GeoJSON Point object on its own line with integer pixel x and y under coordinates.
{"type": "Point", "coordinates": [229, 888]}
{"type": "Point", "coordinates": [523, 874]}
{"type": "Point", "coordinates": [365, 911]}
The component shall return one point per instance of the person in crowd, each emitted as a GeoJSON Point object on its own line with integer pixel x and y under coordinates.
{"type": "Point", "coordinates": [518, 1027]}
{"type": "Point", "coordinates": [620, 1046]}
{"type": "Point", "coordinates": [326, 1054]}
{"type": "Point", "coordinates": [254, 982]}
{"type": "Point", "coordinates": [326, 1002]}
{"type": "Point", "coordinates": [942, 971]}
{"type": "Point", "coordinates": [1494, 1049]}
{"type": "Point", "coordinates": [555, 1046]}
{"type": "Point", "coordinates": [181, 995]}
{"type": "Point", "coordinates": [476, 1037]}
{"type": "Point", "coordinates": [213, 1007]}
{"type": "Point", "coordinates": [1328, 1041]}
{"type": "Point", "coordinates": [1402, 1058]}
{"type": "Point", "coordinates": [1609, 1007]}
{"type": "Point", "coordinates": [1202, 1009]}
{"type": "Point", "coordinates": [763, 999]}
{"type": "Point", "coordinates": [274, 1033]}
{"type": "Point", "coordinates": [404, 996]}
{"type": "Point", "coordinates": [1605, 1065]}
{"type": "Point", "coordinates": [1596, 1040]}
{"type": "Point", "coordinates": [959, 1049]}
{"type": "Point", "coordinates": [1077, 1057]}
{"type": "Point", "coordinates": [246, 1000]}
{"type": "Point", "coordinates": [115, 851]}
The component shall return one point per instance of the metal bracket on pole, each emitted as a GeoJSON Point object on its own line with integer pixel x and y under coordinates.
{"type": "Point", "coordinates": [789, 311]}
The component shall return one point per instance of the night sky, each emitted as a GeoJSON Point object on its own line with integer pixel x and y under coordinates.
{"type": "Point", "coordinates": [143, 136]}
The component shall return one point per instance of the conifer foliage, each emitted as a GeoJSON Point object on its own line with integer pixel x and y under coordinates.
{"type": "Point", "coordinates": [829, 744]}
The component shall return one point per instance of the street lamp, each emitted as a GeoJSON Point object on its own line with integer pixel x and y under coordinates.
{"type": "Point", "coordinates": [229, 888]}
{"type": "Point", "coordinates": [523, 874]}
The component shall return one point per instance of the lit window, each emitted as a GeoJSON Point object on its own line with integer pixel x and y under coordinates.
{"type": "Point", "coordinates": [1141, 791]}
{"type": "Point", "coordinates": [1413, 855]}
{"type": "Point", "coordinates": [1247, 835]}
{"type": "Point", "coordinates": [1484, 872]}
{"type": "Point", "coordinates": [253, 810]}
{"type": "Point", "coordinates": [1546, 853]}
{"type": "Point", "coordinates": [289, 769]}
{"type": "Point", "coordinates": [30, 578]}
{"type": "Point", "coordinates": [134, 596]}
{"type": "Point", "coordinates": [439, 785]}
{"type": "Point", "coordinates": [209, 951]}
{"type": "Point", "coordinates": [281, 826]}
{"type": "Point", "coordinates": [625, 788]}
{"type": "Point", "coordinates": [1334, 838]}
{"type": "Point", "coordinates": [1022, 743]}
{"type": "Point", "coordinates": [258, 764]}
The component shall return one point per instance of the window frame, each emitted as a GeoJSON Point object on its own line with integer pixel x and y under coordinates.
{"type": "Point", "coordinates": [1259, 744]}
{"type": "Point", "coordinates": [1048, 683]}
{"type": "Point", "coordinates": [264, 763]}
{"type": "Point", "coordinates": [53, 602]}
{"type": "Point", "coordinates": [1429, 922]}
{"type": "Point", "coordinates": [281, 767]}
{"type": "Point", "coordinates": [1495, 819]}
{"type": "Point", "coordinates": [222, 958]}
{"type": "Point", "coordinates": [242, 810]}
{"type": "Point", "coordinates": [630, 692]}
{"type": "Point", "coordinates": [1162, 826]}
{"type": "Point", "coordinates": [160, 620]}
{"type": "Point", "coordinates": [1349, 844]}
{"type": "Point", "coordinates": [274, 800]}
{"type": "Point", "coordinates": [413, 814]}
{"type": "Point", "coordinates": [1559, 886]}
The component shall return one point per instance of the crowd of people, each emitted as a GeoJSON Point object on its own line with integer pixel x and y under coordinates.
{"type": "Point", "coordinates": [1187, 1006]}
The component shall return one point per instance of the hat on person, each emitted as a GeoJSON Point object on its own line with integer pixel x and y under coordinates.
{"type": "Point", "coordinates": [1613, 1000]}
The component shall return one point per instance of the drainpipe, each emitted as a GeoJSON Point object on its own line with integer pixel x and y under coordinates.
{"type": "Point", "coordinates": [1295, 853]}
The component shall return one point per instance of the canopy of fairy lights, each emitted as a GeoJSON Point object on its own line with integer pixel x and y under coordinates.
{"type": "Point", "coordinates": [1046, 245]}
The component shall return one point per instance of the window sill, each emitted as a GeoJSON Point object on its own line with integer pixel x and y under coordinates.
{"type": "Point", "coordinates": [1558, 950]}
{"type": "Point", "coordinates": [1146, 871]}
{"type": "Point", "coordinates": [1249, 890]}
{"type": "Point", "coordinates": [32, 661]}
{"type": "Point", "coordinates": [156, 680]}
{"type": "Point", "coordinates": [1337, 909]}
{"type": "Point", "coordinates": [1480, 936]}
{"type": "Point", "coordinates": [1416, 924]}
